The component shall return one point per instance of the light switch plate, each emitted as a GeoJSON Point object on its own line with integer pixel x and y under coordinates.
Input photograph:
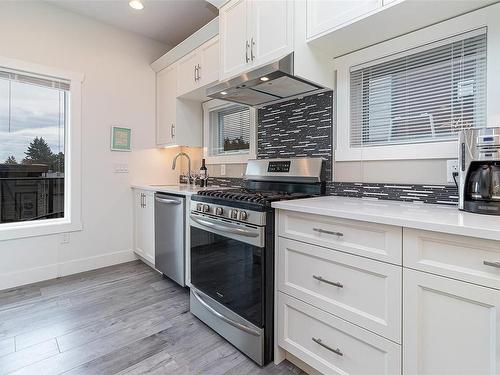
{"type": "Point", "coordinates": [120, 168]}
{"type": "Point", "coordinates": [223, 169]}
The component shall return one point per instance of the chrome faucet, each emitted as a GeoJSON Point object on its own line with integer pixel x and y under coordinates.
{"type": "Point", "coordinates": [190, 179]}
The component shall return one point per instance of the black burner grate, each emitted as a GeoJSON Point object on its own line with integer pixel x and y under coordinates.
{"type": "Point", "coordinates": [244, 195]}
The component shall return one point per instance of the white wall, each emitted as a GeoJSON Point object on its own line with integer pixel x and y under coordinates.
{"type": "Point", "coordinates": [118, 90]}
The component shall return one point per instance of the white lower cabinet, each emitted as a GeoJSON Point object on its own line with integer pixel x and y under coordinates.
{"type": "Point", "coordinates": [346, 304]}
{"type": "Point", "coordinates": [450, 327]}
{"type": "Point", "coordinates": [332, 345]}
{"type": "Point", "coordinates": [144, 225]}
{"type": "Point", "coordinates": [360, 290]}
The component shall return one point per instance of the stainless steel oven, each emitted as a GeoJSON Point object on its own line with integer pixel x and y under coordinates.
{"type": "Point", "coordinates": [232, 251]}
{"type": "Point", "coordinates": [228, 278]}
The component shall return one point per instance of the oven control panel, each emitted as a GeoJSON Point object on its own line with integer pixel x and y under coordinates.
{"type": "Point", "coordinates": [229, 213]}
{"type": "Point", "coordinates": [282, 166]}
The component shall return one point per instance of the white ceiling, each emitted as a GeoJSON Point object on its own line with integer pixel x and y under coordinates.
{"type": "Point", "coordinates": [167, 21]}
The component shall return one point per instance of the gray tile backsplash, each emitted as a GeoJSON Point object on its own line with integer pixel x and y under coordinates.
{"type": "Point", "coordinates": [296, 128]}
{"type": "Point", "coordinates": [303, 127]}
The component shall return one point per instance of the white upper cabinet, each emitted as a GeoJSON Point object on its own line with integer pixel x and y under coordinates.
{"type": "Point", "coordinates": [253, 33]}
{"type": "Point", "coordinates": [166, 95]}
{"type": "Point", "coordinates": [233, 36]}
{"type": "Point", "coordinates": [208, 70]}
{"type": "Point", "coordinates": [198, 68]}
{"type": "Point", "coordinates": [178, 121]}
{"type": "Point", "coordinates": [324, 15]}
{"type": "Point", "coordinates": [271, 36]}
{"type": "Point", "coordinates": [187, 70]}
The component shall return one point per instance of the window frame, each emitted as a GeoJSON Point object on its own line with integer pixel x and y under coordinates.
{"type": "Point", "coordinates": [385, 50]}
{"type": "Point", "coordinates": [72, 220]}
{"type": "Point", "coordinates": [236, 158]}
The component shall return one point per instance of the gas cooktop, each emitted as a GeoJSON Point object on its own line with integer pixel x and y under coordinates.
{"type": "Point", "coordinates": [252, 196]}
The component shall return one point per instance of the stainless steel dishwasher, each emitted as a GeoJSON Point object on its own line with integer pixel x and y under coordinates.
{"type": "Point", "coordinates": [170, 223]}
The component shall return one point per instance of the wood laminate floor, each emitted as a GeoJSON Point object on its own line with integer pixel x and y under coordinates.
{"type": "Point", "coordinates": [124, 319]}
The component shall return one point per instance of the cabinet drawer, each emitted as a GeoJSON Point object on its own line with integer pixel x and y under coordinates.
{"type": "Point", "coordinates": [465, 258]}
{"type": "Point", "coordinates": [377, 241]}
{"type": "Point", "coordinates": [332, 345]}
{"type": "Point", "coordinates": [362, 291]}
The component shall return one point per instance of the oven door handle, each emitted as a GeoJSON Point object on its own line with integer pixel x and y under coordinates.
{"type": "Point", "coordinates": [224, 318]}
{"type": "Point", "coordinates": [224, 228]}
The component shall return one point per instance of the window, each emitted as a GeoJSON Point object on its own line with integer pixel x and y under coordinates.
{"type": "Point", "coordinates": [411, 104]}
{"type": "Point", "coordinates": [229, 132]}
{"type": "Point", "coordinates": [32, 127]}
{"type": "Point", "coordinates": [425, 96]}
{"type": "Point", "coordinates": [40, 179]}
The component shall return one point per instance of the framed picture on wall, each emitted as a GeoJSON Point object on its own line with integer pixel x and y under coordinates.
{"type": "Point", "coordinates": [120, 138]}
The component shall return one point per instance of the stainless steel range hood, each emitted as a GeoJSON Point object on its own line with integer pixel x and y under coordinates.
{"type": "Point", "coordinates": [263, 85]}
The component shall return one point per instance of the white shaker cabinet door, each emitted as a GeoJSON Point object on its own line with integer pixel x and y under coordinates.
{"type": "Point", "coordinates": [234, 43]}
{"type": "Point", "coordinates": [450, 327]}
{"type": "Point", "coordinates": [208, 71]}
{"type": "Point", "coordinates": [166, 97]}
{"type": "Point", "coordinates": [325, 15]}
{"type": "Point", "coordinates": [144, 242]}
{"type": "Point", "coordinates": [271, 36]}
{"type": "Point", "coordinates": [187, 73]}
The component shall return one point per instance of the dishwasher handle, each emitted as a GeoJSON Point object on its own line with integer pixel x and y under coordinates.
{"type": "Point", "coordinates": [167, 201]}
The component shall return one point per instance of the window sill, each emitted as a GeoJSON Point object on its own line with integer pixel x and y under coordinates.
{"type": "Point", "coordinates": [433, 150]}
{"type": "Point", "coordinates": [229, 159]}
{"type": "Point", "coordinates": [13, 231]}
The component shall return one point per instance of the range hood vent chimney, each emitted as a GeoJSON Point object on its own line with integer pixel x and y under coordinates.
{"type": "Point", "coordinates": [264, 85]}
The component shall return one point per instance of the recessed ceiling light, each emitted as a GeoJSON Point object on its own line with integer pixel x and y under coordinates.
{"type": "Point", "coordinates": [223, 93]}
{"type": "Point", "coordinates": [136, 4]}
{"type": "Point", "coordinates": [264, 79]}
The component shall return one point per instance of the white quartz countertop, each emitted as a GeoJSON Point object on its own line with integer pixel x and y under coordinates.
{"type": "Point", "coordinates": [433, 217]}
{"type": "Point", "coordinates": [182, 189]}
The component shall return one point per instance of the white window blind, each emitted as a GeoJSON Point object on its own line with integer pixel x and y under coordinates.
{"type": "Point", "coordinates": [231, 130]}
{"type": "Point", "coordinates": [424, 95]}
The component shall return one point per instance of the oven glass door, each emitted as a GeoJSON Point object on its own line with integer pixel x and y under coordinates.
{"type": "Point", "coordinates": [230, 271]}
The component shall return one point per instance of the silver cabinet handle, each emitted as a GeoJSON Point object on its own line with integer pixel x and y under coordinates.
{"type": "Point", "coordinates": [223, 317]}
{"type": "Point", "coordinates": [198, 70]}
{"type": "Point", "coordinates": [142, 204]}
{"type": "Point", "coordinates": [195, 76]}
{"type": "Point", "coordinates": [143, 200]}
{"type": "Point", "coordinates": [337, 284]}
{"type": "Point", "coordinates": [492, 264]}
{"type": "Point", "coordinates": [172, 134]}
{"type": "Point", "coordinates": [319, 230]}
{"type": "Point", "coordinates": [224, 228]}
{"type": "Point", "coordinates": [246, 52]}
{"type": "Point", "coordinates": [167, 201]}
{"type": "Point", "coordinates": [252, 43]}
{"type": "Point", "coordinates": [319, 342]}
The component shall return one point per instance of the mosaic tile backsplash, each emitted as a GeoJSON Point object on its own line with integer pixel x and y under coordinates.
{"type": "Point", "coordinates": [303, 127]}
{"type": "Point", "coordinates": [297, 128]}
{"type": "Point", "coordinates": [437, 194]}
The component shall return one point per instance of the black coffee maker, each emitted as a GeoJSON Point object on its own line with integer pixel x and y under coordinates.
{"type": "Point", "coordinates": [479, 170]}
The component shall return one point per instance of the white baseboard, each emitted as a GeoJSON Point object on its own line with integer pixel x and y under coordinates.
{"type": "Point", "coordinates": [52, 271]}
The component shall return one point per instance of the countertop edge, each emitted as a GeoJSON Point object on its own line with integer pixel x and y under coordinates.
{"type": "Point", "coordinates": [400, 221]}
{"type": "Point", "coordinates": [162, 189]}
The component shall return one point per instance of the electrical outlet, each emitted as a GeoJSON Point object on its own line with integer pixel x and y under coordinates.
{"type": "Point", "coordinates": [451, 167]}
{"type": "Point", "coordinates": [64, 238]}
{"type": "Point", "coordinates": [223, 169]}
